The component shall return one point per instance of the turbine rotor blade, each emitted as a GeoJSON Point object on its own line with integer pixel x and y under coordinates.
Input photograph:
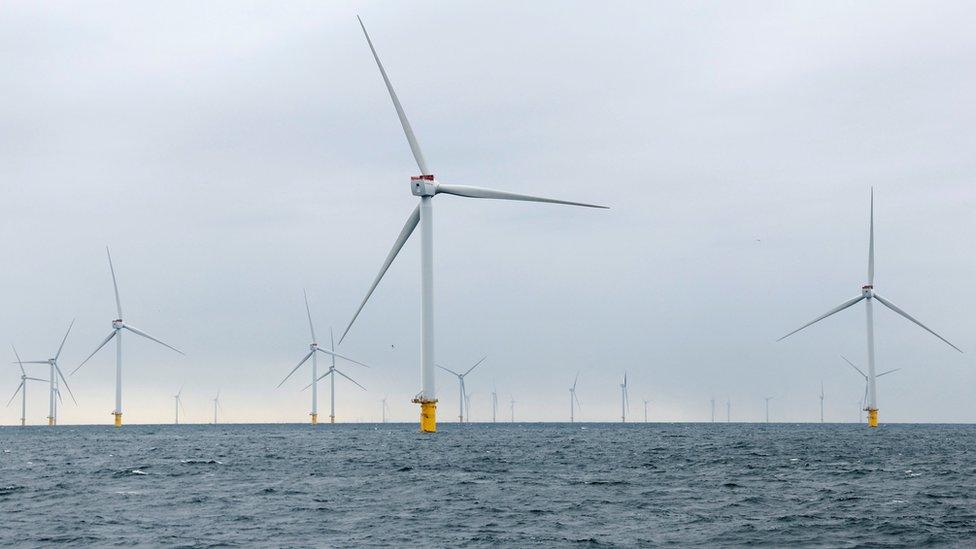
{"type": "Point", "coordinates": [99, 348]}
{"type": "Point", "coordinates": [871, 244]}
{"type": "Point", "coordinates": [448, 370]}
{"type": "Point", "coordinates": [19, 362]}
{"type": "Point", "coordinates": [320, 378]}
{"type": "Point", "coordinates": [476, 365]}
{"type": "Point", "coordinates": [309, 311]}
{"type": "Point", "coordinates": [115, 284]}
{"type": "Point", "coordinates": [335, 354]}
{"type": "Point", "coordinates": [479, 192]}
{"type": "Point", "coordinates": [350, 379]}
{"type": "Point", "coordinates": [137, 331]}
{"type": "Point", "coordinates": [65, 338]}
{"type": "Point", "coordinates": [17, 390]}
{"type": "Point", "coordinates": [575, 381]}
{"type": "Point", "coordinates": [855, 367]}
{"type": "Point", "coordinates": [407, 130]}
{"type": "Point", "coordinates": [65, 381]}
{"type": "Point", "coordinates": [837, 309]}
{"type": "Point", "coordinates": [405, 233]}
{"type": "Point", "coordinates": [38, 379]}
{"type": "Point", "coordinates": [895, 308]}
{"type": "Point", "coordinates": [888, 372]}
{"type": "Point", "coordinates": [309, 355]}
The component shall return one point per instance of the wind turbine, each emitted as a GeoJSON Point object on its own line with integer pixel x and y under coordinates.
{"type": "Point", "coordinates": [385, 407]}
{"type": "Point", "coordinates": [463, 394]}
{"type": "Point", "coordinates": [645, 409]}
{"type": "Point", "coordinates": [22, 389]}
{"type": "Point", "coordinates": [821, 401]}
{"type": "Point", "coordinates": [868, 295]}
{"type": "Point", "coordinates": [573, 400]}
{"type": "Point", "coordinates": [178, 397]}
{"type": "Point", "coordinates": [624, 400]}
{"type": "Point", "coordinates": [864, 398]}
{"type": "Point", "coordinates": [217, 405]}
{"type": "Point", "coordinates": [767, 399]}
{"type": "Point", "coordinates": [467, 407]}
{"type": "Point", "coordinates": [728, 410]}
{"type": "Point", "coordinates": [494, 403]}
{"type": "Point", "coordinates": [512, 404]}
{"type": "Point", "coordinates": [55, 392]}
{"type": "Point", "coordinates": [713, 409]}
{"type": "Point", "coordinates": [313, 347]}
{"type": "Point", "coordinates": [117, 326]}
{"type": "Point", "coordinates": [425, 187]}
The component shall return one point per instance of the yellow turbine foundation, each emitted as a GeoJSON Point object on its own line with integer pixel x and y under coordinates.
{"type": "Point", "coordinates": [428, 415]}
{"type": "Point", "coordinates": [331, 419]}
{"type": "Point", "coordinates": [872, 418]}
{"type": "Point", "coordinates": [315, 419]}
{"type": "Point", "coordinates": [118, 418]}
{"type": "Point", "coordinates": [50, 420]}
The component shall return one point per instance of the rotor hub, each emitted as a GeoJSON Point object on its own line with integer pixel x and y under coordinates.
{"type": "Point", "coordinates": [117, 324]}
{"type": "Point", "coordinates": [313, 346]}
{"type": "Point", "coordinates": [867, 290]}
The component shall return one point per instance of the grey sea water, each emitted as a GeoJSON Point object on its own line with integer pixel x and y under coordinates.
{"type": "Point", "coordinates": [483, 484]}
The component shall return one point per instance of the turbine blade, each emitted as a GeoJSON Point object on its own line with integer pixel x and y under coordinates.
{"type": "Point", "coordinates": [335, 354]}
{"type": "Point", "coordinates": [855, 367]}
{"type": "Point", "coordinates": [350, 379]}
{"type": "Point", "coordinates": [61, 400]}
{"type": "Point", "coordinates": [115, 284]}
{"type": "Point", "coordinates": [321, 377]}
{"type": "Point", "coordinates": [575, 381]}
{"type": "Point", "coordinates": [309, 311]}
{"type": "Point", "coordinates": [405, 233]}
{"type": "Point", "coordinates": [65, 381]}
{"type": "Point", "coordinates": [32, 362]}
{"type": "Point", "coordinates": [38, 379]}
{"type": "Point", "coordinates": [17, 390]}
{"type": "Point", "coordinates": [19, 362]}
{"type": "Point", "coordinates": [837, 309]}
{"type": "Point", "coordinates": [480, 192]}
{"type": "Point", "coordinates": [99, 348]}
{"type": "Point", "coordinates": [305, 359]}
{"type": "Point", "coordinates": [895, 308]}
{"type": "Point", "coordinates": [476, 365]}
{"type": "Point", "coordinates": [447, 370]}
{"type": "Point", "coordinates": [407, 130]}
{"type": "Point", "coordinates": [137, 331]}
{"type": "Point", "coordinates": [888, 372]}
{"type": "Point", "coordinates": [871, 244]}
{"type": "Point", "coordinates": [65, 338]}
{"type": "Point", "coordinates": [182, 409]}
{"type": "Point", "coordinates": [578, 403]}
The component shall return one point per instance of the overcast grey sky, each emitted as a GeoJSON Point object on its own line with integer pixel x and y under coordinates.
{"type": "Point", "coordinates": [232, 153]}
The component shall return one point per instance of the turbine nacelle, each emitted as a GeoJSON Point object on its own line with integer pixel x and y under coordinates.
{"type": "Point", "coordinates": [117, 324]}
{"type": "Point", "coordinates": [423, 185]}
{"type": "Point", "coordinates": [867, 291]}
{"type": "Point", "coordinates": [313, 346]}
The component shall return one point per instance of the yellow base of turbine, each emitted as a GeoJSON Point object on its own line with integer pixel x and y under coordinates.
{"type": "Point", "coordinates": [331, 419]}
{"type": "Point", "coordinates": [118, 418]}
{"type": "Point", "coordinates": [872, 418]}
{"type": "Point", "coordinates": [50, 421]}
{"type": "Point", "coordinates": [428, 415]}
{"type": "Point", "coordinates": [315, 419]}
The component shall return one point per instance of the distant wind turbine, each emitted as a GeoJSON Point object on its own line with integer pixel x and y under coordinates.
{"type": "Point", "coordinates": [217, 405]}
{"type": "Point", "coordinates": [573, 400]}
{"type": "Point", "coordinates": [767, 399]}
{"type": "Point", "coordinates": [385, 407]}
{"type": "Point", "coordinates": [821, 401]}
{"type": "Point", "coordinates": [313, 351]}
{"type": "Point", "coordinates": [462, 397]}
{"type": "Point", "coordinates": [178, 405]}
{"type": "Point", "coordinates": [713, 409]}
{"type": "Point", "coordinates": [863, 375]}
{"type": "Point", "coordinates": [117, 326]}
{"type": "Point", "coordinates": [494, 404]}
{"type": "Point", "coordinates": [55, 392]}
{"type": "Point", "coordinates": [512, 404]}
{"type": "Point", "coordinates": [624, 400]}
{"type": "Point", "coordinates": [868, 296]}
{"type": "Point", "coordinates": [22, 389]}
{"type": "Point", "coordinates": [728, 410]}
{"type": "Point", "coordinates": [426, 187]}
{"type": "Point", "coordinates": [645, 409]}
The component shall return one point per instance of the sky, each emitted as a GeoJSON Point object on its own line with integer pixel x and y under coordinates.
{"type": "Point", "coordinates": [232, 154]}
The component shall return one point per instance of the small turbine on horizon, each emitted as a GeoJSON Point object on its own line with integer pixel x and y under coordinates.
{"type": "Point", "coordinates": [767, 399]}
{"type": "Point", "coordinates": [821, 401]}
{"type": "Point", "coordinates": [117, 326]}
{"type": "Point", "coordinates": [178, 405]}
{"type": "Point", "coordinates": [217, 406]}
{"type": "Point", "coordinates": [573, 400]}
{"type": "Point", "coordinates": [462, 398]}
{"type": "Point", "coordinates": [22, 389]}
{"type": "Point", "coordinates": [624, 400]}
{"type": "Point", "coordinates": [55, 391]}
{"type": "Point", "coordinates": [864, 398]}
{"type": "Point", "coordinates": [645, 409]}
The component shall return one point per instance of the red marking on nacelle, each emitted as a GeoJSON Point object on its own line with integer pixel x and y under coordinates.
{"type": "Point", "coordinates": [419, 177]}
{"type": "Point", "coordinates": [867, 287]}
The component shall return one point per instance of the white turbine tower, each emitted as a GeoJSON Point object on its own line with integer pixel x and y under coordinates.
{"type": "Point", "coordinates": [868, 295]}
{"type": "Point", "coordinates": [512, 404]}
{"type": "Point", "coordinates": [573, 400]}
{"type": "Point", "coordinates": [821, 401]}
{"type": "Point", "coordinates": [624, 400]}
{"type": "Point", "coordinates": [117, 326]}
{"type": "Point", "coordinates": [864, 398]}
{"type": "Point", "coordinates": [313, 347]}
{"type": "Point", "coordinates": [767, 399]}
{"type": "Point", "coordinates": [462, 399]}
{"type": "Point", "coordinates": [713, 409]}
{"type": "Point", "coordinates": [22, 389]}
{"type": "Point", "coordinates": [645, 409]}
{"type": "Point", "coordinates": [217, 406]}
{"type": "Point", "coordinates": [55, 390]}
{"type": "Point", "coordinates": [494, 404]}
{"type": "Point", "coordinates": [178, 405]}
{"type": "Point", "coordinates": [425, 187]}
{"type": "Point", "coordinates": [728, 410]}
{"type": "Point", "coordinates": [384, 407]}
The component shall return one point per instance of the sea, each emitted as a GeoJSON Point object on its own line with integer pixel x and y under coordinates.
{"type": "Point", "coordinates": [474, 485]}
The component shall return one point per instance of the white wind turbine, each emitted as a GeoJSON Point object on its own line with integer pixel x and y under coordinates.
{"type": "Point", "coordinates": [512, 404]}
{"type": "Point", "coordinates": [864, 398]}
{"type": "Point", "coordinates": [821, 401]}
{"type": "Point", "coordinates": [178, 397]}
{"type": "Point", "coordinates": [217, 406]}
{"type": "Point", "coordinates": [425, 187]}
{"type": "Point", "coordinates": [573, 400]}
{"type": "Point", "coordinates": [22, 389]}
{"type": "Point", "coordinates": [55, 390]}
{"type": "Point", "coordinates": [645, 409]}
{"type": "Point", "coordinates": [767, 399]}
{"type": "Point", "coordinates": [624, 400]}
{"type": "Point", "coordinates": [117, 326]}
{"type": "Point", "coordinates": [494, 404]}
{"type": "Point", "coordinates": [463, 395]}
{"type": "Point", "coordinates": [728, 410]}
{"type": "Point", "coordinates": [868, 295]}
{"type": "Point", "coordinates": [384, 407]}
{"type": "Point", "coordinates": [313, 347]}
{"type": "Point", "coordinates": [713, 409]}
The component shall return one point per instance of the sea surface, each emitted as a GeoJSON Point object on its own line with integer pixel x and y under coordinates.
{"type": "Point", "coordinates": [505, 484]}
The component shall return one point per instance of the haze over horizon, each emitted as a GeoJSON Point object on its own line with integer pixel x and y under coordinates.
{"type": "Point", "coordinates": [232, 154]}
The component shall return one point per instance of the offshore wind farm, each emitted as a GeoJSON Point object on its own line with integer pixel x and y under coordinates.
{"type": "Point", "coordinates": [656, 195]}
